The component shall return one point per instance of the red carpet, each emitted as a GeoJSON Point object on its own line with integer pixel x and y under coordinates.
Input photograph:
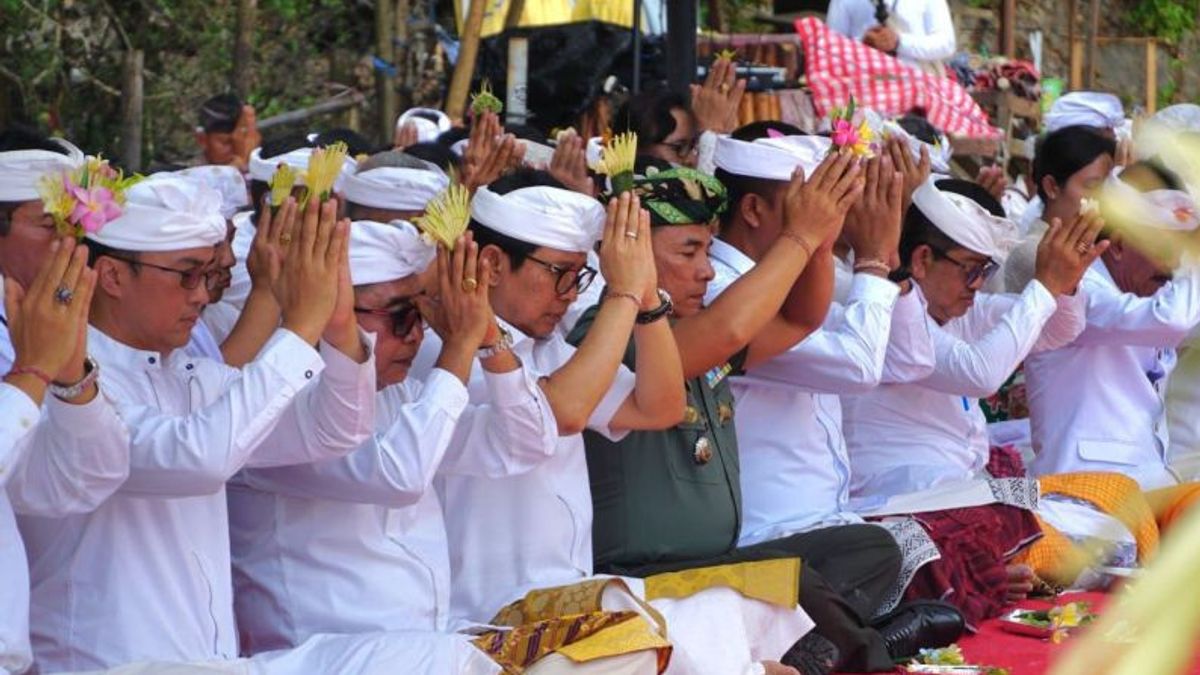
{"type": "Point", "coordinates": [1022, 655]}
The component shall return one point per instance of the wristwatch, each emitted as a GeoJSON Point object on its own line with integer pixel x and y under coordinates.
{"type": "Point", "coordinates": [663, 309]}
{"type": "Point", "coordinates": [503, 344]}
{"type": "Point", "coordinates": [66, 392]}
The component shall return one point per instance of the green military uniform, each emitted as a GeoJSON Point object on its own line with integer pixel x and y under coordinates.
{"type": "Point", "coordinates": [684, 480]}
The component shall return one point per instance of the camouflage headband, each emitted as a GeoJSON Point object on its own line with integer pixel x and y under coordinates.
{"type": "Point", "coordinates": [680, 196]}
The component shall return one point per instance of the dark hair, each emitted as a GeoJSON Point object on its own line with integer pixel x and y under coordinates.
{"type": "Point", "coordinates": [220, 113]}
{"type": "Point", "coordinates": [434, 153]}
{"type": "Point", "coordinates": [648, 114]}
{"type": "Point", "coordinates": [516, 249]}
{"type": "Point", "coordinates": [96, 250]}
{"type": "Point", "coordinates": [22, 138]}
{"type": "Point", "coordinates": [738, 188]}
{"type": "Point", "coordinates": [756, 130]}
{"type": "Point", "coordinates": [355, 143]}
{"type": "Point", "coordinates": [1066, 152]}
{"type": "Point", "coordinates": [454, 135]}
{"type": "Point", "coordinates": [920, 231]}
{"type": "Point", "coordinates": [920, 128]}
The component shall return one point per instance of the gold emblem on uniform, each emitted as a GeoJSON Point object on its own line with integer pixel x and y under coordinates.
{"type": "Point", "coordinates": [703, 452]}
{"type": "Point", "coordinates": [691, 415]}
{"type": "Point", "coordinates": [724, 413]}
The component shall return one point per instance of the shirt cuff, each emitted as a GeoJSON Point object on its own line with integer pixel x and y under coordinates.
{"type": "Point", "coordinates": [79, 421]}
{"type": "Point", "coordinates": [447, 390]}
{"type": "Point", "coordinates": [601, 419]}
{"type": "Point", "coordinates": [343, 369]}
{"type": "Point", "coordinates": [870, 288]}
{"type": "Point", "coordinates": [290, 357]}
{"type": "Point", "coordinates": [1039, 297]}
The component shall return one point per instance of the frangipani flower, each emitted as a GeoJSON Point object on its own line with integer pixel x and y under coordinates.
{"type": "Point", "coordinates": [93, 207]}
{"type": "Point", "coordinates": [82, 200]}
{"type": "Point", "coordinates": [857, 137]}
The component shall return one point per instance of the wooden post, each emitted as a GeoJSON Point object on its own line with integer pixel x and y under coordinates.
{"type": "Point", "coordinates": [402, 50]}
{"type": "Point", "coordinates": [464, 70]}
{"type": "Point", "coordinates": [1076, 82]}
{"type": "Point", "coordinates": [1072, 59]}
{"type": "Point", "coordinates": [1151, 76]}
{"type": "Point", "coordinates": [1089, 80]}
{"type": "Point", "coordinates": [1008, 28]}
{"type": "Point", "coordinates": [243, 48]}
{"type": "Point", "coordinates": [385, 83]}
{"type": "Point", "coordinates": [515, 9]}
{"type": "Point", "coordinates": [131, 110]}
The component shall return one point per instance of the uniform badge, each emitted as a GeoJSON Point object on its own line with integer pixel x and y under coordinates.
{"type": "Point", "coordinates": [703, 452]}
{"type": "Point", "coordinates": [724, 413]}
{"type": "Point", "coordinates": [691, 415]}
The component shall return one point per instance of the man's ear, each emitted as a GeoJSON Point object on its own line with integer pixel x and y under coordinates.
{"type": "Point", "coordinates": [497, 259]}
{"type": "Point", "coordinates": [1116, 249]}
{"type": "Point", "coordinates": [1050, 187]}
{"type": "Point", "coordinates": [110, 276]}
{"type": "Point", "coordinates": [750, 209]}
{"type": "Point", "coordinates": [922, 257]}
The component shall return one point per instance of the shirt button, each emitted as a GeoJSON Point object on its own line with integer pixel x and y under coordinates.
{"type": "Point", "coordinates": [190, 366]}
{"type": "Point", "coordinates": [308, 374]}
{"type": "Point", "coordinates": [152, 360]}
{"type": "Point", "coordinates": [25, 423]}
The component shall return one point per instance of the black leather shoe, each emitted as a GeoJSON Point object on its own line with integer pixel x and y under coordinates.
{"type": "Point", "coordinates": [812, 655]}
{"type": "Point", "coordinates": [924, 624]}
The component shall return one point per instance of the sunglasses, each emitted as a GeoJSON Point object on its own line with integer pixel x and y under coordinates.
{"type": "Point", "coordinates": [974, 273]}
{"type": "Point", "coordinates": [403, 318]}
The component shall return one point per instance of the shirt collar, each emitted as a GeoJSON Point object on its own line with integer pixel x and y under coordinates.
{"type": "Point", "coordinates": [724, 253]}
{"type": "Point", "coordinates": [118, 355]}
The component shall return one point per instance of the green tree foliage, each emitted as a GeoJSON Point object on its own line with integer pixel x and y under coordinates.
{"type": "Point", "coordinates": [1168, 20]}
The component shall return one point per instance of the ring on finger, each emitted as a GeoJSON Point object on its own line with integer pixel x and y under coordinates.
{"type": "Point", "coordinates": [285, 239]}
{"type": "Point", "coordinates": [1083, 246]}
{"type": "Point", "coordinates": [63, 295]}
{"type": "Point", "coordinates": [469, 285]}
{"type": "Point", "coordinates": [632, 234]}
{"type": "Point", "coordinates": [724, 88]}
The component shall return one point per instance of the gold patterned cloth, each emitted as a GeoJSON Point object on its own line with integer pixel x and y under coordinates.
{"type": "Point", "coordinates": [773, 581]}
{"type": "Point", "coordinates": [570, 620]}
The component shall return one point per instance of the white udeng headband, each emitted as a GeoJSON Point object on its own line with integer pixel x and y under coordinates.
{"type": "Point", "coordinates": [382, 252]}
{"type": "Point", "coordinates": [966, 222]}
{"type": "Point", "coordinates": [262, 169]}
{"type": "Point", "coordinates": [545, 216]}
{"type": "Point", "coordinates": [165, 214]}
{"type": "Point", "coordinates": [771, 158]}
{"type": "Point", "coordinates": [395, 188]}
{"type": "Point", "coordinates": [20, 170]}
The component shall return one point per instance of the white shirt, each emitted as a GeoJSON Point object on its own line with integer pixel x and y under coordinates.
{"type": "Point", "coordinates": [44, 473]}
{"type": "Point", "coordinates": [1114, 375]}
{"type": "Point", "coordinates": [908, 437]}
{"type": "Point", "coordinates": [367, 529]}
{"type": "Point", "coordinates": [794, 469]}
{"type": "Point", "coordinates": [510, 535]}
{"type": "Point", "coordinates": [925, 28]}
{"type": "Point", "coordinates": [147, 574]}
{"type": "Point", "coordinates": [203, 344]}
{"type": "Point", "coordinates": [6, 348]}
{"type": "Point", "coordinates": [1021, 263]}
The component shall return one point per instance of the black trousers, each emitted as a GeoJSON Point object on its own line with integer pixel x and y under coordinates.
{"type": "Point", "coordinates": [845, 573]}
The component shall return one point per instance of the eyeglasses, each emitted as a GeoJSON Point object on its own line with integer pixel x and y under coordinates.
{"type": "Point", "coordinates": [982, 271]}
{"type": "Point", "coordinates": [188, 279]}
{"type": "Point", "coordinates": [682, 148]}
{"type": "Point", "coordinates": [403, 318]}
{"type": "Point", "coordinates": [567, 278]}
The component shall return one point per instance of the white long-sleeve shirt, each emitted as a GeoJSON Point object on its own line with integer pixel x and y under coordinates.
{"type": "Point", "coordinates": [907, 437]}
{"type": "Point", "coordinates": [534, 530]}
{"type": "Point", "coordinates": [925, 27]}
{"type": "Point", "coordinates": [794, 469]}
{"type": "Point", "coordinates": [1114, 376]}
{"type": "Point", "coordinates": [43, 472]}
{"type": "Point", "coordinates": [147, 574]}
{"type": "Point", "coordinates": [358, 544]}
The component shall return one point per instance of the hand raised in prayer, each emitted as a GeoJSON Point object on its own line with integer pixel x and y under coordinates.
{"type": "Point", "coordinates": [873, 223]}
{"type": "Point", "coordinates": [814, 209]}
{"type": "Point", "coordinates": [404, 136]}
{"type": "Point", "coordinates": [310, 280]}
{"type": "Point", "coordinates": [992, 179]}
{"type": "Point", "coordinates": [882, 38]}
{"type": "Point", "coordinates": [569, 164]}
{"type": "Point", "coordinates": [245, 137]}
{"type": "Point", "coordinates": [48, 322]}
{"type": "Point", "coordinates": [267, 251]}
{"type": "Point", "coordinates": [490, 153]}
{"type": "Point", "coordinates": [462, 314]}
{"type": "Point", "coordinates": [715, 103]}
{"type": "Point", "coordinates": [915, 172]}
{"type": "Point", "coordinates": [626, 255]}
{"type": "Point", "coordinates": [1066, 252]}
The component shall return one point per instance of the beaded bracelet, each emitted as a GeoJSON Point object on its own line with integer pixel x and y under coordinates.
{"type": "Point", "coordinates": [799, 240]}
{"type": "Point", "coordinates": [29, 370]}
{"type": "Point", "coordinates": [624, 294]}
{"type": "Point", "coordinates": [872, 265]}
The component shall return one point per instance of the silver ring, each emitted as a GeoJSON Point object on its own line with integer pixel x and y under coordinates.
{"type": "Point", "coordinates": [631, 235]}
{"type": "Point", "coordinates": [64, 295]}
{"type": "Point", "coordinates": [1083, 247]}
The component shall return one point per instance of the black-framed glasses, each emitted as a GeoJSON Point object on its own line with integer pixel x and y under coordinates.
{"type": "Point", "coordinates": [403, 317]}
{"type": "Point", "coordinates": [188, 279]}
{"type": "Point", "coordinates": [683, 148]}
{"type": "Point", "coordinates": [567, 278]}
{"type": "Point", "coordinates": [983, 271]}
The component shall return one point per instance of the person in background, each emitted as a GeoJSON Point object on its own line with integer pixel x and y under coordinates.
{"type": "Point", "coordinates": [918, 32]}
{"type": "Point", "coordinates": [227, 132]}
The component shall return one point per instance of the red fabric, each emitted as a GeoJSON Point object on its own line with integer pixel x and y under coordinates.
{"type": "Point", "coordinates": [1022, 655]}
{"type": "Point", "coordinates": [1004, 461]}
{"type": "Point", "coordinates": [838, 67]}
{"type": "Point", "coordinates": [976, 543]}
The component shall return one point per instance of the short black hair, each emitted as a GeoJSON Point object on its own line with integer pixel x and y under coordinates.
{"type": "Point", "coordinates": [920, 128]}
{"type": "Point", "coordinates": [356, 144]}
{"type": "Point", "coordinates": [1064, 153]}
{"type": "Point", "coordinates": [454, 135]}
{"type": "Point", "coordinates": [739, 187]}
{"type": "Point", "coordinates": [763, 128]}
{"type": "Point", "coordinates": [96, 250]}
{"type": "Point", "coordinates": [22, 138]}
{"type": "Point", "coordinates": [434, 153]}
{"type": "Point", "coordinates": [648, 114]}
{"type": "Point", "coordinates": [921, 231]}
{"type": "Point", "coordinates": [220, 113]}
{"type": "Point", "coordinates": [516, 249]}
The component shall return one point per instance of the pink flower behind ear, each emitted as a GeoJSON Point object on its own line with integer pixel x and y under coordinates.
{"type": "Point", "coordinates": [93, 208]}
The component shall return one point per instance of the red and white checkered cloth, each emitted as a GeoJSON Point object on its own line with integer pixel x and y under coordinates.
{"type": "Point", "coordinates": [838, 67]}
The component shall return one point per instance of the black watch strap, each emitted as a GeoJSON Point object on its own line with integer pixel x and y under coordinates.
{"type": "Point", "coordinates": [664, 308]}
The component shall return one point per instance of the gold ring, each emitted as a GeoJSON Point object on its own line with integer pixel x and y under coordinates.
{"type": "Point", "coordinates": [469, 285]}
{"type": "Point", "coordinates": [285, 239]}
{"type": "Point", "coordinates": [1083, 247]}
{"type": "Point", "coordinates": [631, 234]}
{"type": "Point", "coordinates": [724, 88]}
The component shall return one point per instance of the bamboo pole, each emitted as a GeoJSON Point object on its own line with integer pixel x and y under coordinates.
{"type": "Point", "coordinates": [1093, 33]}
{"type": "Point", "coordinates": [243, 48]}
{"type": "Point", "coordinates": [132, 99]}
{"type": "Point", "coordinates": [464, 70]}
